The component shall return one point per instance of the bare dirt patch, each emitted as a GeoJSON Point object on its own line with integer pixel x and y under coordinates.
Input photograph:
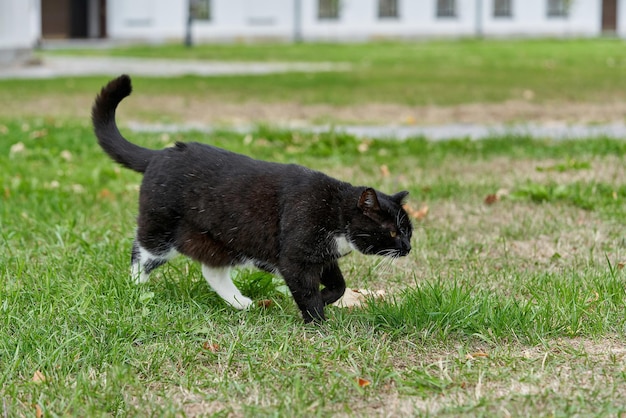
{"type": "Point", "coordinates": [515, 380]}
{"type": "Point", "coordinates": [215, 111]}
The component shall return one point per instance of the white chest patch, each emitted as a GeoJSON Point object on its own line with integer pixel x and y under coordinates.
{"type": "Point", "coordinates": [343, 245]}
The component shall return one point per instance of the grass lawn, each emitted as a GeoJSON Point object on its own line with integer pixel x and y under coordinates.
{"type": "Point", "coordinates": [516, 306]}
{"type": "Point", "coordinates": [511, 303]}
{"type": "Point", "coordinates": [411, 73]}
{"type": "Point", "coordinates": [397, 77]}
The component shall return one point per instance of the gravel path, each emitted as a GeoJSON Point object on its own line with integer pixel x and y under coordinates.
{"type": "Point", "coordinates": [61, 66]}
{"type": "Point", "coordinates": [615, 130]}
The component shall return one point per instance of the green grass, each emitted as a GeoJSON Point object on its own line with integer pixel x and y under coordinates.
{"type": "Point", "coordinates": [419, 73]}
{"type": "Point", "coordinates": [517, 306]}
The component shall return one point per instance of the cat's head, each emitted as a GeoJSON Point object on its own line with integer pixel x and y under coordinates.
{"type": "Point", "coordinates": [381, 226]}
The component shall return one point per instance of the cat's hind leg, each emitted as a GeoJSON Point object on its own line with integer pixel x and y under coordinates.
{"type": "Point", "coordinates": [219, 279]}
{"type": "Point", "coordinates": [143, 261]}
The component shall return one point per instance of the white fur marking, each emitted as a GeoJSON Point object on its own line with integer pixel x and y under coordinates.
{"type": "Point", "coordinates": [343, 245]}
{"type": "Point", "coordinates": [219, 279]}
{"type": "Point", "coordinates": [136, 271]}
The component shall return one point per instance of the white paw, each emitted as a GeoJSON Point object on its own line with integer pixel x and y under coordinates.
{"type": "Point", "coordinates": [241, 302]}
{"type": "Point", "coordinates": [138, 276]}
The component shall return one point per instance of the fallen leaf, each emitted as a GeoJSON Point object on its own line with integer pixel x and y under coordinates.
{"type": "Point", "coordinates": [356, 297]}
{"type": "Point", "coordinates": [421, 213]}
{"type": "Point", "coordinates": [38, 411]}
{"type": "Point", "coordinates": [38, 377]}
{"type": "Point", "coordinates": [38, 134]}
{"type": "Point", "coordinates": [212, 347]}
{"type": "Point", "coordinates": [502, 193]}
{"type": "Point", "coordinates": [495, 197]}
{"type": "Point", "coordinates": [491, 199]}
{"type": "Point", "coordinates": [104, 194]}
{"type": "Point", "coordinates": [145, 297]}
{"type": "Point", "coordinates": [621, 265]}
{"type": "Point", "coordinates": [478, 354]}
{"type": "Point", "coordinates": [384, 170]}
{"type": "Point", "coordinates": [595, 298]}
{"type": "Point", "coordinates": [418, 214]}
{"type": "Point", "coordinates": [66, 155]}
{"type": "Point", "coordinates": [363, 382]}
{"type": "Point", "coordinates": [17, 148]}
{"type": "Point", "coordinates": [265, 303]}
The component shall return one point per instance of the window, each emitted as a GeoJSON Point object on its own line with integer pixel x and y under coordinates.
{"type": "Point", "coordinates": [446, 8]}
{"type": "Point", "coordinates": [387, 8]}
{"type": "Point", "coordinates": [328, 9]}
{"type": "Point", "coordinates": [558, 8]}
{"type": "Point", "coordinates": [200, 9]}
{"type": "Point", "coordinates": [502, 8]}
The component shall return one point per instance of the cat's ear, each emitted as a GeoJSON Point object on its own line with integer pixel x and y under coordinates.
{"type": "Point", "coordinates": [368, 202]}
{"type": "Point", "coordinates": [399, 197]}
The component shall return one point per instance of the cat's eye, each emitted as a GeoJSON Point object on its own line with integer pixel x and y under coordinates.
{"type": "Point", "coordinates": [393, 234]}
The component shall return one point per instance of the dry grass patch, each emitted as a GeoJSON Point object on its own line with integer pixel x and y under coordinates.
{"type": "Point", "coordinates": [507, 380]}
{"type": "Point", "coordinates": [207, 110]}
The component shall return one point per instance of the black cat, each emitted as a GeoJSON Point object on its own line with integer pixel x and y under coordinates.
{"type": "Point", "coordinates": [225, 209]}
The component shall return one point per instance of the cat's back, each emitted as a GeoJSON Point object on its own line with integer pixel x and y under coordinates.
{"type": "Point", "coordinates": [188, 157]}
{"type": "Point", "coordinates": [192, 164]}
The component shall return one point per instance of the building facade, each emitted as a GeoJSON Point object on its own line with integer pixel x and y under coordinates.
{"type": "Point", "coordinates": [20, 29]}
{"type": "Point", "coordinates": [329, 20]}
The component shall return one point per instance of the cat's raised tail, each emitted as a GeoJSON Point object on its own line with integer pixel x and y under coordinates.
{"type": "Point", "coordinates": [109, 137]}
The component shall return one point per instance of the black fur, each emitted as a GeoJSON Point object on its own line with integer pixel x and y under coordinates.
{"type": "Point", "coordinates": [223, 209]}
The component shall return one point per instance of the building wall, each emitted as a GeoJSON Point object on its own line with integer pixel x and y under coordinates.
{"type": "Point", "coordinates": [152, 20]}
{"type": "Point", "coordinates": [621, 18]}
{"type": "Point", "coordinates": [162, 20]}
{"type": "Point", "coordinates": [241, 19]}
{"type": "Point", "coordinates": [529, 18]}
{"type": "Point", "coordinates": [20, 29]}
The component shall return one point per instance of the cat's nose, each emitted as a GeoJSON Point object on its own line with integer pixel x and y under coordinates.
{"type": "Point", "coordinates": [406, 246]}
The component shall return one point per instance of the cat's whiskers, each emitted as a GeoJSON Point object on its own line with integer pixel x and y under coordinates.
{"type": "Point", "coordinates": [378, 265]}
{"type": "Point", "coordinates": [383, 268]}
{"type": "Point", "coordinates": [385, 265]}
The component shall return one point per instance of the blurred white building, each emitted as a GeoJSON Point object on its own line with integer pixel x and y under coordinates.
{"type": "Point", "coordinates": [346, 20]}
{"type": "Point", "coordinates": [309, 20]}
{"type": "Point", "coordinates": [20, 29]}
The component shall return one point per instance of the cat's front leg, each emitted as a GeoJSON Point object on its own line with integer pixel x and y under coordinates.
{"type": "Point", "coordinates": [304, 284]}
{"type": "Point", "coordinates": [334, 283]}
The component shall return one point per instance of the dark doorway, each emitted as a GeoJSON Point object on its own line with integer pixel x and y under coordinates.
{"type": "Point", "coordinates": [609, 16]}
{"type": "Point", "coordinates": [76, 19]}
{"type": "Point", "coordinates": [79, 19]}
{"type": "Point", "coordinates": [55, 18]}
{"type": "Point", "coordinates": [102, 18]}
